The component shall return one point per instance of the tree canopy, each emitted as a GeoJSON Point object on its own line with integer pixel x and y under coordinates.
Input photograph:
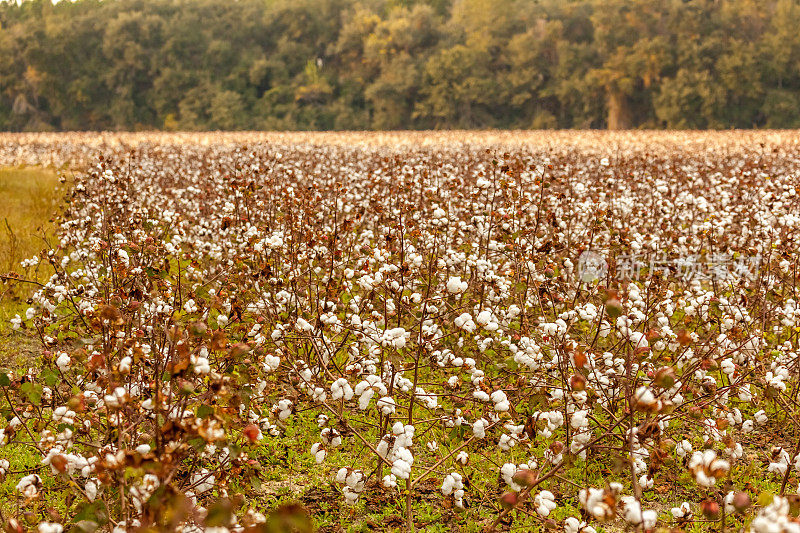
{"type": "Point", "coordinates": [398, 64]}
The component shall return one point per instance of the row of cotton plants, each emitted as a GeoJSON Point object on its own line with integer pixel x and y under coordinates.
{"type": "Point", "coordinates": [543, 337]}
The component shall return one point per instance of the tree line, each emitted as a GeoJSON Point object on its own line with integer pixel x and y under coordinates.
{"type": "Point", "coordinates": [398, 64]}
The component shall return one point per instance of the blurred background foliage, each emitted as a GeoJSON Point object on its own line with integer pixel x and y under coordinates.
{"type": "Point", "coordinates": [398, 64]}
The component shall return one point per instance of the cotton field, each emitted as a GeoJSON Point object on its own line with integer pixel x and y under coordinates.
{"type": "Point", "coordinates": [578, 332]}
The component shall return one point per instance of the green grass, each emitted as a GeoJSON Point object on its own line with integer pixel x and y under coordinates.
{"type": "Point", "coordinates": [28, 201]}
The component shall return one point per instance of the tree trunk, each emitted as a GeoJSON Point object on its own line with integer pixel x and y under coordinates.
{"type": "Point", "coordinates": [619, 116]}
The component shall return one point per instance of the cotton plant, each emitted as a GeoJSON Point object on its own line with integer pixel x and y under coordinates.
{"type": "Point", "coordinates": [428, 322]}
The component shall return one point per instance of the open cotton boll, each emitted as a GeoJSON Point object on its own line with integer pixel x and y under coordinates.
{"type": "Point", "coordinates": [501, 403]}
{"type": "Point", "coordinates": [465, 322]}
{"type": "Point", "coordinates": [544, 502]}
{"type": "Point", "coordinates": [387, 405]}
{"type": "Point", "coordinates": [638, 339]}
{"type": "Point", "coordinates": [303, 325]}
{"type": "Point", "coordinates": [456, 286]}
{"type": "Point", "coordinates": [579, 419]}
{"type": "Point", "coordinates": [479, 428]}
{"type": "Point", "coordinates": [401, 467]}
{"type": "Point", "coordinates": [271, 363]}
{"type": "Point", "coordinates": [453, 484]}
{"type": "Point", "coordinates": [634, 515]}
{"type": "Point", "coordinates": [682, 512]}
{"type": "Point", "coordinates": [573, 525]}
{"type": "Point", "coordinates": [341, 389]}
{"type": "Point", "coordinates": [318, 452]}
{"type": "Point", "coordinates": [507, 471]}
{"type": "Point", "coordinates": [63, 361]}
{"type": "Point", "coordinates": [395, 337]}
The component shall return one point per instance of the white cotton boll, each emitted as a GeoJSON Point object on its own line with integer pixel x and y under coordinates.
{"type": "Point", "coordinates": [341, 389]}
{"type": "Point", "coordinates": [303, 325]}
{"type": "Point", "coordinates": [143, 449]}
{"type": "Point", "coordinates": [190, 306]}
{"type": "Point", "coordinates": [501, 404]}
{"type": "Point", "coordinates": [728, 501]}
{"type": "Point", "coordinates": [649, 519]}
{"type": "Point", "coordinates": [125, 365]}
{"type": "Point", "coordinates": [401, 469]}
{"type": "Point", "coordinates": [544, 502]}
{"type": "Point", "coordinates": [355, 480]}
{"type": "Point", "coordinates": [593, 501]}
{"type": "Point", "coordinates": [50, 527]}
{"type": "Point", "coordinates": [91, 490]}
{"type": "Point", "coordinates": [271, 363]}
{"type": "Point", "coordinates": [319, 394]}
{"type": "Point", "coordinates": [644, 396]}
{"type": "Point", "coordinates": [318, 452]}
{"type": "Point", "coordinates": [705, 480]}
{"type": "Point", "coordinates": [498, 396]}
{"type": "Point", "coordinates": [350, 496]}
{"type": "Point", "coordinates": [683, 448]}
{"type": "Point", "coordinates": [284, 409]}
{"type": "Point", "coordinates": [479, 428]}
{"type": "Point", "coordinates": [579, 419]}
{"type": "Point", "coordinates": [363, 400]}
{"type": "Point", "coordinates": [507, 472]}
{"type": "Point", "coordinates": [390, 481]}
{"type": "Point", "coordinates": [481, 395]}
{"type": "Point", "coordinates": [775, 518]}
{"type": "Point", "coordinates": [63, 361]}
{"type": "Point", "coordinates": [684, 511]}
{"type": "Point", "coordinates": [638, 339]}
{"type": "Point", "coordinates": [201, 365]}
{"type": "Point", "coordinates": [202, 481]}
{"type": "Point", "coordinates": [447, 485]}
{"type": "Point", "coordinates": [464, 321]}
{"type": "Point", "coordinates": [484, 317]}
{"type": "Point", "coordinates": [506, 442]}
{"type": "Point", "coordinates": [456, 286]}
{"type": "Point", "coordinates": [778, 468]}
{"type": "Point", "coordinates": [330, 437]}
{"type": "Point", "coordinates": [634, 515]}
{"type": "Point", "coordinates": [728, 367]}
{"type": "Point", "coordinates": [454, 484]}
{"type": "Point", "coordinates": [761, 417]}
{"type": "Point", "coordinates": [744, 393]}
{"type": "Point", "coordinates": [502, 407]}
{"type": "Point", "coordinates": [555, 419]}
{"type": "Point", "coordinates": [573, 525]}
{"type": "Point", "coordinates": [386, 405]}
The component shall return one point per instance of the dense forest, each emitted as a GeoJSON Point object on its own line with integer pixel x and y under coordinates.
{"type": "Point", "coordinates": [395, 64]}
